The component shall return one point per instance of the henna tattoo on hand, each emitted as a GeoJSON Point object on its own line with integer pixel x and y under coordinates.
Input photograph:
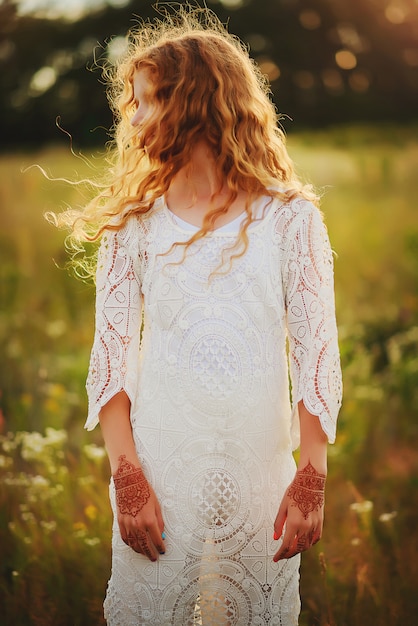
{"type": "Point", "coordinates": [132, 488]}
{"type": "Point", "coordinates": [139, 543]}
{"type": "Point", "coordinates": [307, 490]}
{"type": "Point", "coordinates": [301, 544]}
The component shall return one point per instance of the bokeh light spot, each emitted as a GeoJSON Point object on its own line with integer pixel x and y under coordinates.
{"type": "Point", "coordinates": [410, 56]}
{"type": "Point", "coordinates": [333, 81]}
{"type": "Point", "coordinates": [86, 47]}
{"type": "Point", "coordinates": [118, 4]}
{"type": "Point", "coordinates": [346, 59]}
{"type": "Point", "coordinates": [310, 19]}
{"type": "Point", "coordinates": [349, 38]}
{"type": "Point", "coordinates": [268, 67]}
{"type": "Point", "coordinates": [304, 79]}
{"type": "Point", "coordinates": [395, 14]}
{"type": "Point", "coordinates": [116, 48]}
{"type": "Point", "coordinates": [62, 61]}
{"type": "Point", "coordinates": [257, 42]}
{"type": "Point", "coordinates": [42, 80]}
{"type": "Point", "coordinates": [359, 81]}
{"type": "Point", "coordinates": [68, 90]}
{"type": "Point", "coordinates": [7, 49]}
{"type": "Point", "coordinates": [232, 4]}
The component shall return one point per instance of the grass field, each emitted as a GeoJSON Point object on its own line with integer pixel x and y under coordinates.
{"type": "Point", "coordinates": [54, 513]}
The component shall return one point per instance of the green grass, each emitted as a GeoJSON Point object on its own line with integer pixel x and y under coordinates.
{"type": "Point", "coordinates": [54, 513]}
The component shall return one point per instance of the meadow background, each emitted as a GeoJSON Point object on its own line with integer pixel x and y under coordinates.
{"type": "Point", "coordinates": [355, 81]}
{"type": "Point", "coordinates": [54, 513]}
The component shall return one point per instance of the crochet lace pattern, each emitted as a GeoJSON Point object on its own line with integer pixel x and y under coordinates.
{"type": "Point", "coordinates": [205, 359]}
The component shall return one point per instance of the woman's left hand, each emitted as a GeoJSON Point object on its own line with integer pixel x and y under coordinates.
{"type": "Point", "coordinates": [302, 509]}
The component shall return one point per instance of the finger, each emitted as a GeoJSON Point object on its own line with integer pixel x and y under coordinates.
{"type": "Point", "coordinates": [143, 545]}
{"type": "Point", "coordinates": [138, 540]}
{"type": "Point", "coordinates": [124, 534]}
{"type": "Point", "coordinates": [160, 520]}
{"type": "Point", "coordinates": [285, 550]}
{"type": "Point", "coordinates": [157, 538]}
{"type": "Point", "coordinates": [313, 536]}
{"type": "Point", "coordinates": [302, 543]}
{"type": "Point", "coordinates": [296, 546]}
{"type": "Point", "coordinates": [316, 537]}
{"type": "Point", "coordinates": [160, 545]}
{"type": "Point", "coordinates": [280, 520]}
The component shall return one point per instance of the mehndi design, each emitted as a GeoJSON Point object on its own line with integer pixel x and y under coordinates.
{"type": "Point", "coordinates": [132, 488]}
{"type": "Point", "coordinates": [307, 490]}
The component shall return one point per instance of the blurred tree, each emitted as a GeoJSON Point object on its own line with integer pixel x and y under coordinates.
{"type": "Point", "coordinates": [329, 61]}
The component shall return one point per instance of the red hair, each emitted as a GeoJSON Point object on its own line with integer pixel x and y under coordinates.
{"type": "Point", "coordinates": [206, 87]}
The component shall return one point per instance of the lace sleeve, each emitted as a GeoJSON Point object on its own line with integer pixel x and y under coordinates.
{"type": "Point", "coordinates": [114, 356]}
{"type": "Point", "coordinates": [312, 331]}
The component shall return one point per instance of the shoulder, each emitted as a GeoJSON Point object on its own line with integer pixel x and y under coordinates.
{"type": "Point", "coordinates": [133, 226]}
{"type": "Point", "coordinates": [291, 215]}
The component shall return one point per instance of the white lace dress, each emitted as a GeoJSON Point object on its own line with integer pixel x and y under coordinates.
{"type": "Point", "coordinates": [211, 415]}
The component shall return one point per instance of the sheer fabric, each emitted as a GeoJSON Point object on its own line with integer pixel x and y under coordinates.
{"type": "Point", "coordinates": [211, 412]}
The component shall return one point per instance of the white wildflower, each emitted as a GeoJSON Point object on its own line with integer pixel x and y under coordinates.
{"type": "Point", "coordinates": [93, 452]}
{"type": "Point", "coordinates": [387, 517]}
{"type": "Point", "coordinates": [93, 541]}
{"type": "Point", "coordinates": [362, 507]}
{"type": "Point", "coordinates": [22, 480]}
{"type": "Point", "coordinates": [28, 516]}
{"type": "Point", "coordinates": [86, 481]}
{"type": "Point", "coordinates": [5, 461]}
{"type": "Point", "coordinates": [39, 482]}
{"type": "Point", "coordinates": [55, 437]}
{"type": "Point", "coordinates": [49, 526]}
{"type": "Point", "coordinates": [33, 445]}
{"type": "Point", "coordinates": [56, 328]}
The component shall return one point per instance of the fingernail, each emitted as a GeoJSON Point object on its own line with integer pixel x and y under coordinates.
{"type": "Point", "coordinates": [162, 552]}
{"type": "Point", "coordinates": [163, 535]}
{"type": "Point", "coordinates": [276, 536]}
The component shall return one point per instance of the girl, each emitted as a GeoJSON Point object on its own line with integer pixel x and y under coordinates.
{"type": "Point", "coordinates": [212, 257]}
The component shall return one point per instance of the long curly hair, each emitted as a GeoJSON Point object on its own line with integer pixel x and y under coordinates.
{"type": "Point", "coordinates": [206, 87]}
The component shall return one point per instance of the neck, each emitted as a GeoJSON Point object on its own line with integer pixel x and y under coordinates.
{"type": "Point", "coordinates": [199, 176]}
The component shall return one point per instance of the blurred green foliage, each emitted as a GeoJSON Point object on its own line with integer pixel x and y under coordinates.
{"type": "Point", "coordinates": [54, 514]}
{"type": "Point", "coordinates": [328, 61]}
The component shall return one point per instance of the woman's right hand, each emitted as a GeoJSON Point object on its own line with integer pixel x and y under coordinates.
{"type": "Point", "coordinates": [139, 513]}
